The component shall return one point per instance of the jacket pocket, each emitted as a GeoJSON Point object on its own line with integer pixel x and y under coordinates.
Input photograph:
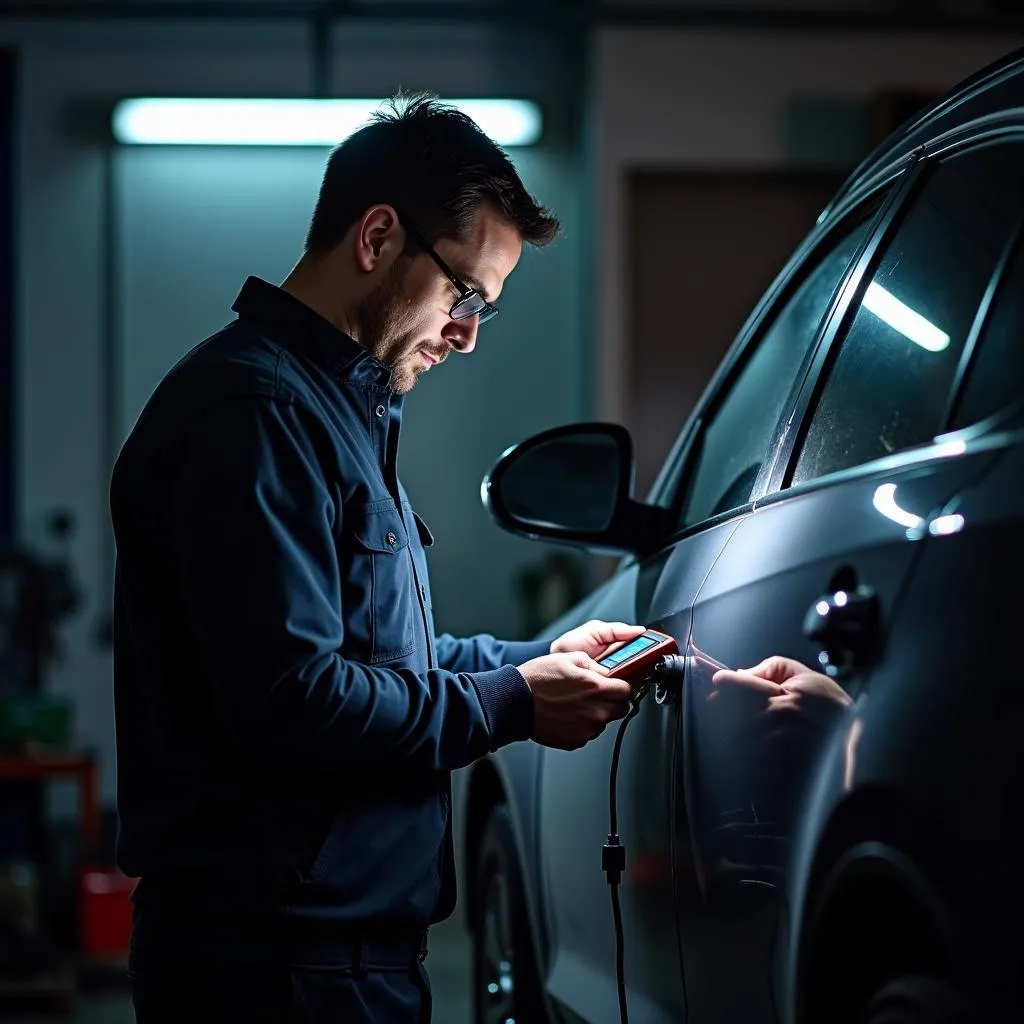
{"type": "Point", "coordinates": [335, 840]}
{"type": "Point", "coordinates": [381, 580]}
{"type": "Point", "coordinates": [426, 537]}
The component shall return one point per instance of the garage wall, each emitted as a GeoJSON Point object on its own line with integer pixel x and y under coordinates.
{"type": "Point", "coordinates": [188, 225]}
{"type": "Point", "coordinates": [734, 100]}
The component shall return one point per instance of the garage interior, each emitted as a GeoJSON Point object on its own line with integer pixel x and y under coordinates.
{"type": "Point", "coordinates": [687, 148]}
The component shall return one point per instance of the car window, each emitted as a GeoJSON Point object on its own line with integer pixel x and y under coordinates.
{"type": "Point", "coordinates": [737, 437]}
{"type": "Point", "coordinates": [996, 376]}
{"type": "Point", "coordinates": [889, 386]}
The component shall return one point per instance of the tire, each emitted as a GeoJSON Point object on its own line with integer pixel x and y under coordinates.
{"type": "Point", "coordinates": [506, 987]}
{"type": "Point", "coordinates": [917, 999]}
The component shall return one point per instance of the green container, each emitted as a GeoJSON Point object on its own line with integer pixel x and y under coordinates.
{"type": "Point", "coordinates": [36, 718]}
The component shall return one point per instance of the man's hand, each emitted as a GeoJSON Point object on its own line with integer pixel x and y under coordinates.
{"type": "Point", "coordinates": [789, 686]}
{"type": "Point", "coordinates": [573, 699]}
{"type": "Point", "coordinates": [594, 637]}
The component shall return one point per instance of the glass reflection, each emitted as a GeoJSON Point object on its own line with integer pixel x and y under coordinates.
{"type": "Point", "coordinates": [946, 525]}
{"type": "Point", "coordinates": [885, 502]}
{"type": "Point", "coordinates": [753, 736]}
{"type": "Point", "coordinates": [908, 322]}
{"type": "Point", "coordinates": [569, 482]}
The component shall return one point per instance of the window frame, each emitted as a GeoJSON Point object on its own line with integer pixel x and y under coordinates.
{"type": "Point", "coordinates": [976, 339]}
{"type": "Point", "coordinates": [1007, 126]}
{"type": "Point", "coordinates": [677, 472]}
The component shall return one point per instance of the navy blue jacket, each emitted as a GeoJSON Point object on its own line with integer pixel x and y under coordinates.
{"type": "Point", "coordinates": [286, 718]}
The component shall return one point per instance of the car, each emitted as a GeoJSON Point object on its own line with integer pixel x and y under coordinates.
{"type": "Point", "coordinates": [847, 493]}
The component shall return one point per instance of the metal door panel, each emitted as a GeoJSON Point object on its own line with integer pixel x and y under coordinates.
{"type": "Point", "coordinates": [574, 820]}
{"type": "Point", "coordinates": [746, 773]}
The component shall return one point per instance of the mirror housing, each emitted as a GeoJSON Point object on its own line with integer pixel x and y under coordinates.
{"type": "Point", "coordinates": [572, 485]}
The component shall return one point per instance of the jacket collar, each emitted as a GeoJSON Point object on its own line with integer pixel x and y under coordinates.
{"type": "Point", "coordinates": [298, 327]}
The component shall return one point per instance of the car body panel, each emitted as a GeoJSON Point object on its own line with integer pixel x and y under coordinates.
{"type": "Point", "coordinates": [888, 777]}
{"type": "Point", "coordinates": [746, 769]}
{"type": "Point", "coordinates": [574, 809]}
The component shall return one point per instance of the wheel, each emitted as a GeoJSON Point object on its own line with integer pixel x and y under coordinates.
{"type": "Point", "coordinates": [506, 988]}
{"type": "Point", "coordinates": [917, 999]}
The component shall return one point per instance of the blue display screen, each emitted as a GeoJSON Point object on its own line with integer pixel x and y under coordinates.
{"type": "Point", "coordinates": [634, 647]}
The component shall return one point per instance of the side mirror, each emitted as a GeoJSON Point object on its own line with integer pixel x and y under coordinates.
{"type": "Point", "coordinates": [572, 484]}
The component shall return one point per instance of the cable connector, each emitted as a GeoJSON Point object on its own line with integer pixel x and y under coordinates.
{"type": "Point", "coordinates": [668, 675]}
{"type": "Point", "coordinates": [641, 692]}
{"type": "Point", "coordinates": [613, 859]}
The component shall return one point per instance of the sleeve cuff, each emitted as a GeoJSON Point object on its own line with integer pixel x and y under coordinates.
{"type": "Point", "coordinates": [507, 702]}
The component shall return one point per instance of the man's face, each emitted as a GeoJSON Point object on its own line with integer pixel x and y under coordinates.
{"type": "Point", "coordinates": [404, 321]}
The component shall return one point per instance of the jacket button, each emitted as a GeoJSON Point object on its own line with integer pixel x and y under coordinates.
{"type": "Point", "coordinates": [391, 539]}
{"type": "Point", "coordinates": [380, 410]}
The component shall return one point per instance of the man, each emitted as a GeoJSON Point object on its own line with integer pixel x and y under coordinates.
{"type": "Point", "coordinates": [286, 718]}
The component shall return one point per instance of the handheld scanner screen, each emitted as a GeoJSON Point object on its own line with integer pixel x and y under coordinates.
{"type": "Point", "coordinates": [631, 650]}
{"type": "Point", "coordinates": [636, 657]}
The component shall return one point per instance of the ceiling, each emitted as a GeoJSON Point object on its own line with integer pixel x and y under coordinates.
{"type": "Point", "coordinates": [983, 15]}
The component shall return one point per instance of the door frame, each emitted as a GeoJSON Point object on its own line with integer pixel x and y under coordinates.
{"type": "Point", "coordinates": [8, 305]}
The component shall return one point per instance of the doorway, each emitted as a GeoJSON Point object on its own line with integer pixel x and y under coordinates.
{"type": "Point", "coordinates": [703, 248]}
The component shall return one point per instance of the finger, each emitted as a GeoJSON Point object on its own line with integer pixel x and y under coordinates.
{"type": "Point", "coordinates": [819, 689]}
{"type": "Point", "coordinates": [779, 669]}
{"type": "Point", "coordinates": [746, 680]}
{"type": "Point", "coordinates": [587, 663]}
{"type": "Point", "coordinates": [811, 686]}
{"type": "Point", "coordinates": [609, 632]}
{"type": "Point", "coordinates": [615, 689]}
{"type": "Point", "coordinates": [787, 702]}
{"type": "Point", "coordinates": [617, 710]}
{"type": "Point", "coordinates": [584, 661]}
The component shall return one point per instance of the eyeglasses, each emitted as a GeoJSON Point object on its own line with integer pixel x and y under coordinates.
{"type": "Point", "coordinates": [470, 302]}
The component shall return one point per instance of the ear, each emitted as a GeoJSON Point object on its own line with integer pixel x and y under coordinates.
{"type": "Point", "coordinates": [379, 238]}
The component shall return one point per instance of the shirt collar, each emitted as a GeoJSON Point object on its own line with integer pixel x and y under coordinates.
{"type": "Point", "coordinates": [301, 328]}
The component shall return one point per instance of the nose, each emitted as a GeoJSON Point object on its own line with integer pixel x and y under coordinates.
{"type": "Point", "coordinates": [461, 334]}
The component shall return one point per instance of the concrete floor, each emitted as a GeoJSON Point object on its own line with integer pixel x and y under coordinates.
{"type": "Point", "coordinates": [449, 966]}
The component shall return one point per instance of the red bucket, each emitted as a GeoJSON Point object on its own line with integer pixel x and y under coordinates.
{"type": "Point", "coordinates": [105, 912]}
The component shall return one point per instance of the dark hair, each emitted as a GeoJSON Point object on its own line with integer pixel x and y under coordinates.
{"type": "Point", "coordinates": [432, 163]}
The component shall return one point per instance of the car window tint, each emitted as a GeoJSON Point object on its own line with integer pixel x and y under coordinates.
{"type": "Point", "coordinates": [736, 439]}
{"type": "Point", "coordinates": [890, 383]}
{"type": "Point", "coordinates": [996, 377]}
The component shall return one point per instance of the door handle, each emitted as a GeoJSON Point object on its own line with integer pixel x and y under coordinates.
{"type": "Point", "coordinates": [846, 625]}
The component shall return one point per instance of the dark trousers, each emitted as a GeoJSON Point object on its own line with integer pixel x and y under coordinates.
{"type": "Point", "coordinates": [180, 979]}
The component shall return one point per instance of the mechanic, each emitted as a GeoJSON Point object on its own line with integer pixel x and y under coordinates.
{"type": "Point", "coordinates": [286, 717]}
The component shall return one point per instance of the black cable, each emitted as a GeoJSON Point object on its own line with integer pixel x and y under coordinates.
{"type": "Point", "coordinates": [634, 708]}
{"type": "Point", "coordinates": [620, 964]}
{"type": "Point", "coordinates": [613, 854]}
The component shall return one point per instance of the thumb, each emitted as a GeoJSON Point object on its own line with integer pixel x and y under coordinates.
{"type": "Point", "coordinates": [583, 660]}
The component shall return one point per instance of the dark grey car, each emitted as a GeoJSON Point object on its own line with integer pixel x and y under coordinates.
{"type": "Point", "coordinates": [849, 493]}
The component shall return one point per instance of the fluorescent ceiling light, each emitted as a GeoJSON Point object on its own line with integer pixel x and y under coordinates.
{"type": "Point", "coordinates": [293, 122]}
{"type": "Point", "coordinates": [902, 318]}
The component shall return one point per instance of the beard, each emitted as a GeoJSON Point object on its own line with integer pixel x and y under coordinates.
{"type": "Point", "coordinates": [384, 320]}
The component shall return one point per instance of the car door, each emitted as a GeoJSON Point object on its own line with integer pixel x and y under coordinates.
{"type": "Point", "coordinates": [659, 592]}
{"type": "Point", "coordinates": [828, 546]}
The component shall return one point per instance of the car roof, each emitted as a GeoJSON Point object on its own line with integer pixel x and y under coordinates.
{"type": "Point", "coordinates": [996, 88]}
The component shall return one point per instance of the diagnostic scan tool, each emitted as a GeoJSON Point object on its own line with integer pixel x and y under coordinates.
{"type": "Point", "coordinates": [636, 658]}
